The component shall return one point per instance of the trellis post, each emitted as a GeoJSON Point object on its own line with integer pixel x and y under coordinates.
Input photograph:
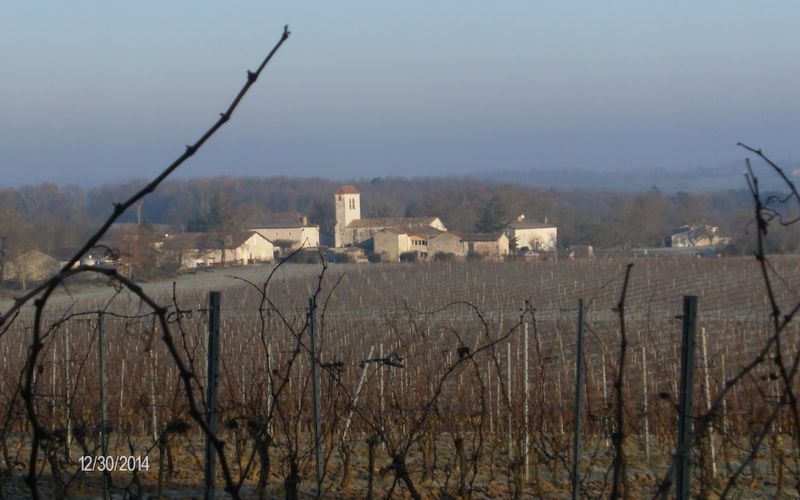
{"type": "Point", "coordinates": [312, 312]}
{"type": "Point", "coordinates": [103, 405]}
{"type": "Point", "coordinates": [211, 390]}
{"type": "Point", "coordinates": [579, 376]}
{"type": "Point", "coordinates": [685, 396]}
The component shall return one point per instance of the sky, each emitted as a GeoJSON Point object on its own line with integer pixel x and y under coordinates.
{"type": "Point", "coordinates": [99, 91]}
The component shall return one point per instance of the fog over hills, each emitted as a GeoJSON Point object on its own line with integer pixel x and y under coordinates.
{"type": "Point", "coordinates": [694, 180]}
{"type": "Point", "coordinates": [723, 177]}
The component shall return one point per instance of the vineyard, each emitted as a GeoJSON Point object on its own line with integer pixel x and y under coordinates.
{"type": "Point", "coordinates": [435, 380]}
{"type": "Point", "coordinates": [587, 378]}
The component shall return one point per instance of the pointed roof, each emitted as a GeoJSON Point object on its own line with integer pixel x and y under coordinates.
{"type": "Point", "coordinates": [347, 190]}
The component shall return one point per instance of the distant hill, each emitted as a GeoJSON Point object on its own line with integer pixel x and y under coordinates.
{"type": "Point", "coordinates": [693, 180]}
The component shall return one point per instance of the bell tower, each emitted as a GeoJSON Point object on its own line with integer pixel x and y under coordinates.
{"type": "Point", "coordinates": [348, 208]}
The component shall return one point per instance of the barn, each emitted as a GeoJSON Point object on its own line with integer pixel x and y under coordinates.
{"type": "Point", "coordinates": [490, 245]}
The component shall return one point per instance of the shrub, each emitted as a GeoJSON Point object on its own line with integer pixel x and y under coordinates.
{"type": "Point", "coordinates": [343, 258]}
{"type": "Point", "coordinates": [408, 257]}
{"type": "Point", "coordinates": [474, 256]}
{"type": "Point", "coordinates": [444, 256]}
{"type": "Point", "coordinates": [285, 246]}
{"type": "Point", "coordinates": [305, 257]}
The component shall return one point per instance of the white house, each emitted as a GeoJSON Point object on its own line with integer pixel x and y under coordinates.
{"type": "Point", "coordinates": [306, 236]}
{"type": "Point", "coordinates": [533, 236]}
{"type": "Point", "coordinates": [290, 230]}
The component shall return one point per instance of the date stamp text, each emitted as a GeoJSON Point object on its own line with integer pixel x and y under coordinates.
{"type": "Point", "coordinates": [100, 463]}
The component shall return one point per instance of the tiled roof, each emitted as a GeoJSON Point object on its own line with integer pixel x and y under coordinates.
{"type": "Point", "coordinates": [204, 241]}
{"type": "Point", "coordinates": [256, 227]}
{"type": "Point", "coordinates": [696, 228]}
{"type": "Point", "coordinates": [383, 222]}
{"type": "Point", "coordinates": [347, 190]}
{"type": "Point", "coordinates": [481, 237]}
{"type": "Point", "coordinates": [529, 224]}
{"type": "Point", "coordinates": [449, 234]}
{"type": "Point", "coordinates": [423, 231]}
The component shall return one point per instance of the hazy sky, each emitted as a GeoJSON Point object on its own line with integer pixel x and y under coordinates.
{"type": "Point", "coordinates": [92, 91]}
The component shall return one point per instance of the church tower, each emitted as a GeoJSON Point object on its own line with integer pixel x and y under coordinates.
{"type": "Point", "coordinates": [348, 208]}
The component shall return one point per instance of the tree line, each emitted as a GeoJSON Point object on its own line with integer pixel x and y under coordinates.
{"type": "Point", "coordinates": [49, 217]}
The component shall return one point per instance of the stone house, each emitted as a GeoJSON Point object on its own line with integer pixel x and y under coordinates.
{"type": "Point", "coordinates": [446, 243]}
{"type": "Point", "coordinates": [359, 231]}
{"type": "Point", "coordinates": [490, 245]}
{"type": "Point", "coordinates": [697, 235]}
{"type": "Point", "coordinates": [391, 242]}
{"type": "Point", "coordinates": [191, 250]}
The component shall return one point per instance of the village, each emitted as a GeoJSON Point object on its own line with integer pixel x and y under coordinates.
{"type": "Point", "coordinates": [354, 240]}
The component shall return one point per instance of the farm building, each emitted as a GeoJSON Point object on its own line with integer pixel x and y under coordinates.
{"type": "Point", "coordinates": [446, 243]}
{"type": "Point", "coordinates": [697, 235]}
{"type": "Point", "coordinates": [352, 230]}
{"type": "Point", "coordinates": [208, 249]}
{"type": "Point", "coordinates": [532, 236]}
{"type": "Point", "coordinates": [290, 230]}
{"type": "Point", "coordinates": [392, 242]}
{"type": "Point", "coordinates": [490, 245]}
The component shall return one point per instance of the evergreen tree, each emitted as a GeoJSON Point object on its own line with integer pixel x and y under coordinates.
{"type": "Point", "coordinates": [494, 216]}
